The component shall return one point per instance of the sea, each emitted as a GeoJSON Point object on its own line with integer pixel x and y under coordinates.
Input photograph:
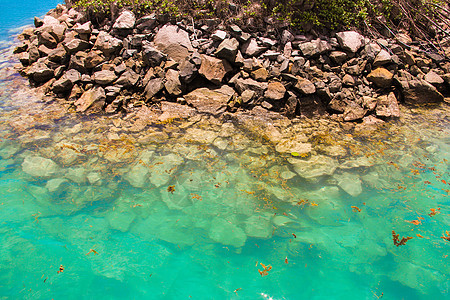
{"type": "Point", "coordinates": [140, 206]}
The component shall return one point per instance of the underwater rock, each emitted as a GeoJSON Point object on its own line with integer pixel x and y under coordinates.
{"type": "Point", "coordinates": [259, 226]}
{"type": "Point", "coordinates": [55, 184]}
{"type": "Point", "coordinates": [137, 176]}
{"type": "Point", "coordinates": [317, 165]}
{"type": "Point", "coordinates": [296, 145]}
{"type": "Point", "coordinates": [177, 199]}
{"type": "Point", "coordinates": [76, 174]}
{"type": "Point", "coordinates": [227, 233]}
{"type": "Point", "coordinates": [38, 166]}
{"type": "Point", "coordinates": [121, 218]}
{"type": "Point", "coordinates": [350, 183]}
{"type": "Point", "coordinates": [200, 135]}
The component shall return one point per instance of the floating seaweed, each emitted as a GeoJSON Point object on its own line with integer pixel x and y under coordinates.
{"type": "Point", "coordinates": [356, 209]}
{"type": "Point", "coordinates": [236, 290]}
{"type": "Point", "coordinates": [92, 251]}
{"type": "Point", "coordinates": [171, 189]}
{"type": "Point", "coordinates": [265, 271]}
{"type": "Point", "coordinates": [415, 222]}
{"type": "Point", "coordinates": [434, 212]}
{"type": "Point", "coordinates": [286, 260]}
{"type": "Point", "coordinates": [446, 236]}
{"type": "Point", "coordinates": [397, 241]}
{"type": "Point", "coordinates": [61, 269]}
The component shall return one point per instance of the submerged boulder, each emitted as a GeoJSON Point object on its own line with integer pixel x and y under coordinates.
{"type": "Point", "coordinates": [38, 166]}
{"type": "Point", "coordinates": [227, 233]}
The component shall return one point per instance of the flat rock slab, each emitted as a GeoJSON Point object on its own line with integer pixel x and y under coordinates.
{"type": "Point", "coordinates": [207, 100]}
{"type": "Point", "coordinates": [316, 166]}
{"type": "Point", "coordinates": [174, 42]}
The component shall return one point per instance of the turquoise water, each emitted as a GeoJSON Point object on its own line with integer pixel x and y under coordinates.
{"type": "Point", "coordinates": [148, 207]}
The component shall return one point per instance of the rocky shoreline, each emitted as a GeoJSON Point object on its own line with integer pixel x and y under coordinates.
{"type": "Point", "coordinates": [214, 68]}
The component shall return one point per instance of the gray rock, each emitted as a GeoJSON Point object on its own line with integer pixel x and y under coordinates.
{"type": "Point", "coordinates": [268, 42]}
{"type": "Point", "coordinates": [107, 43]}
{"type": "Point", "coordinates": [104, 77]}
{"type": "Point", "coordinates": [147, 23]}
{"type": "Point", "coordinates": [305, 86]}
{"type": "Point", "coordinates": [353, 112]}
{"type": "Point", "coordinates": [219, 35]}
{"type": "Point", "coordinates": [153, 87]}
{"type": "Point", "coordinates": [174, 42]}
{"type": "Point", "coordinates": [40, 73]}
{"type": "Point", "coordinates": [228, 49]}
{"type": "Point", "coordinates": [188, 71]}
{"type": "Point", "coordinates": [382, 58]}
{"type": "Point", "coordinates": [251, 48]}
{"type": "Point", "coordinates": [275, 91]}
{"type": "Point", "coordinates": [250, 84]}
{"type": "Point", "coordinates": [76, 45]}
{"type": "Point", "coordinates": [387, 106]}
{"type": "Point", "coordinates": [173, 84]}
{"type": "Point", "coordinates": [433, 78]}
{"type": "Point", "coordinates": [350, 40]}
{"type": "Point", "coordinates": [214, 69]}
{"type": "Point", "coordinates": [85, 28]}
{"type": "Point", "coordinates": [128, 79]}
{"type": "Point", "coordinates": [152, 57]}
{"type": "Point", "coordinates": [286, 37]}
{"type": "Point", "coordinates": [125, 21]}
{"type": "Point", "coordinates": [309, 49]}
{"type": "Point", "coordinates": [92, 100]}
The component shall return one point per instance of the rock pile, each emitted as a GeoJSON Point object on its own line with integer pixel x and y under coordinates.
{"type": "Point", "coordinates": [213, 67]}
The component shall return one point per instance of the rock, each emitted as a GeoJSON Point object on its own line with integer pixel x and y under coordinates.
{"type": "Point", "coordinates": [153, 87]}
{"type": "Point", "coordinates": [128, 79]}
{"type": "Point", "coordinates": [260, 74]}
{"type": "Point", "coordinates": [387, 106]}
{"type": "Point", "coordinates": [125, 21]}
{"type": "Point", "coordinates": [419, 91]}
{"type": "Point", "coordinates": [433, 78]}
{"type": "Point", "coordinates": [317, 165]}
{"type": "Point", "coordinates": [212, 101]}
{"type": "Point", "coordinates": [251, 48]}
{"type": "Point", "coordinates": [286, 37]}
{"type": "Point", "coordinates": [350, 183]}
{"type": "Point", "coordinates": [247, 96]}
{"type": "Point", "coordinates": [188, 71]}
{"type": "Point", "coordinates": [137, 176]}
{"type": "Point", "coordinates": [219, 35]}
{"type": "Point", "coordinates": [104, 77]}
{"type": "Point", "coordinates": [250, 84]}
{"type": "Point", "coordinates": [40, 73]}
{"type": "Point", "coordinates": [226, 233]}
{"type": "Point", "coordinates": [77, 61]}
{"type": "Point", "coordinates": [404, 38]}
{"type": "Point", "coordinates": [45, 38]}
{"type": "Point", "coordinates": [66, 82]}
{"type": "Point", "coordinates": [382, 58]}
{"type": "Point", "coordinates": [44, 51]}
{"type": "Point", "coordinates": [174, 42]}
{"type": "Point", "coordinates": [58, 55]}
{"type": "Point", "coordinates": [85, 28]}
{"type": "Point", "coordinates": [147, 23]}
{"type": "Point", "coordinates": [295, 146]}
{"type": "Point", "coordinates": [121, 219]}
{"type": "Point", "coordinates": [38, 166]}
{"type": "Point", "coordinates": [214, 69]}
{"type": "Point", "coordinates": [173, 84]}
{"type": "Point", "coordinates": [380, 77]}
{"type": "Point", "coordinates": [38, 22]}
{"type": "Point", "coordinates": [56, 184]}
{"type": "Point", "coordinates": [353, 112]}
{"type": "Point", "coordinates": [338, 57]}
{"type": "Point", "coordinates": [275, 91]}
{"type": "Point", "coordinates": [76, 45]}
{"type": "Point", "coordinates": [258, 226]}
{"type": "Point", "coordinates": [305, 86]}
{"type": "Point", "coordinates": [152, 57]}
{"type": "Point", "coordinates": [93, 99]}
{"type": "Point", "coordinates": [228, 49]}
{"type": "Point", "coordinates": [93, 59]}
{"type": "Point", "coordinates": [50, 21]}
{"type": "Point", "coordinates": [350, 40]}
{"type": "Point", "coordinates": [348, 80]}
{"type": "Point", "coordinates": [107, 43]}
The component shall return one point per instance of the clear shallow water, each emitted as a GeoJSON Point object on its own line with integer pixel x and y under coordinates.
{"type": "Point", "coordinates": [69, 184]}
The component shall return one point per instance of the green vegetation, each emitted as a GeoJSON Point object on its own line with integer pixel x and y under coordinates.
{"type": "Point", "coordinates": [416, 16]}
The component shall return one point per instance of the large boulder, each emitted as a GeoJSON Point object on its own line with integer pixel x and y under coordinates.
{"type": "Point", "coordinates": [305, 86]}
{"type": "Point", "coordinates": [249, 84]}
{"type": "Point", "coordinates": [104, 77]}
{"type": "Point", "coordinates": [387, 106]}
{"type": "Point", "coordinates": [40, 73]}
{"type": "Point", "coordinates": [251, 48]}
{"type": "Point", "coordinates": [211, 101]}
{"type": "Point", "coordinates": [128, 79]}
{"type": "Point", "coordinates": [214, 69]}
{"type": "Point", "coordinates": [151, 56]}
{"type": "Point", "coordinates": [228, 49]}
{"type": "Point", "coordinates": [76, 45]}
{"type": "Point", "coordinates": [275, 91]}
{"type": "Point", "coordinates": [173, 84]}
{"type": "Point", "coordinates": [173, 41]}
{"type": "Point", "coordinates": [153, 87]}
{"type": "Point", "coordinates": [350, 40]}
{"type": "Point", "coordinates": [381, 77]}
{"type": "Point", "coordinates": [418, 91]}
{"type": "Point", "coordinates": [38, 166]}
{"type": "Point", "coordinates": [107, 43]}
{"type": "Point", "coordinates": [93, 99]}
{"type": "Point", "coordinates": [66, 82]}
{"type": "Point", "coordinates": [125, 21]}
